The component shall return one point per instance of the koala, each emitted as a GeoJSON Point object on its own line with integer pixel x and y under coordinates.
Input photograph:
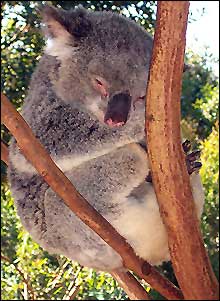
{"type": "Point", "coordinates": [86, 106]}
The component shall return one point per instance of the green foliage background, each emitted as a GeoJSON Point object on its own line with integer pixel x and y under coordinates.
{"type": "Point", "coordinates": [27, 270]}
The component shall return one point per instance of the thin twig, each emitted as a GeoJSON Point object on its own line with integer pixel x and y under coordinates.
{"type": "Point", "coordinates": [56, 279]}
{"type": "Point", "coordinates": [33, 150]}
{"type": "Point", "coordinates": [73, 293]}
{"type": "Point", "coordinates": [73, 287]}
{"type": "Point", "coordinates": [5, 258]}
{"type": "Point", "coordinates": [18, 33]}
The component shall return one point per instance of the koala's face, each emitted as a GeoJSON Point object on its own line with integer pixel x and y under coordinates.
{"type": "Point", "coordinates": [103, 62]}
{"type": "Point", "coordinates": [118, 88]}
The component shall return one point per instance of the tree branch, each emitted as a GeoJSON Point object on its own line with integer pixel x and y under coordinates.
{"type": "Point", "coordinates": [169, 172]}
{"type": "Point", "coordinates": [129, 283]}
{"type": "Point", "coordinates": [33, 150]}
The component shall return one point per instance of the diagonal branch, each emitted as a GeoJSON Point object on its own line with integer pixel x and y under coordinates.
{"type": "Point", "coordinates": [129, 283]}
{"type": "Point", "coordinates": [33, 150]}
{"type": "Point", "coordinates": [169, 172]}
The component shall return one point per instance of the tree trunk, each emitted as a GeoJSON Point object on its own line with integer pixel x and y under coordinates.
{"type": "Point", "coordinates": [169, 172]}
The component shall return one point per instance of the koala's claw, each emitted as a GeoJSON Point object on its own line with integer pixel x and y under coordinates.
{"type": "Point", "coordinates": [149, 177]}
{"type": "Point", "coordinates": [192, 164]}
{"type": "Point", "coordinates": [186, 146]}
{"type": "Point", "coordinates": [194, 156]}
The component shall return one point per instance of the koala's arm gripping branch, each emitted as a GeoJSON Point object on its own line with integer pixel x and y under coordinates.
{"type": "Point", "coordinates": [169, 172]}
{"type": "Point", "coordinates": [33, 150]}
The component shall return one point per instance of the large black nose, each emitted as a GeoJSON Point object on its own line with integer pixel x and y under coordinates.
{"type": "Point", "coordinates": [118, 108]}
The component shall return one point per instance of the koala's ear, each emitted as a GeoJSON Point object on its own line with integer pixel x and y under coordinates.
{"type": "Point", "coordinates": [64, 29]}
{"type": "Point", "coordinates": [61, 23]}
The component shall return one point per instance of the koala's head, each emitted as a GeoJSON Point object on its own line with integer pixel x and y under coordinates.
{"type": "Point", "coordinates": [102, 62]}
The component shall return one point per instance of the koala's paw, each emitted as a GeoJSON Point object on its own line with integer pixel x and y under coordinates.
{"type": "Point", "coordinates": [191, 158]}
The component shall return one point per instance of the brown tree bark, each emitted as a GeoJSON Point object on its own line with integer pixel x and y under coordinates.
{"type": "Point", "coordinates": [129, 283]}
{"type": "Point", "coordinates": [33, 150]}
{"type": "Point", "coordinates": [169, 172]}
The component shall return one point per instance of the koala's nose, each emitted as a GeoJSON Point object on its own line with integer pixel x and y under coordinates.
{"type": "Point", "coordinates": [118, 109]}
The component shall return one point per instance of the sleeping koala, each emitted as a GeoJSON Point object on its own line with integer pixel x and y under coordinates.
{"type": "Point", "coordinates": [86, 106]}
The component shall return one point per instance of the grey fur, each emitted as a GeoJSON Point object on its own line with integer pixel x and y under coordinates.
{"type": "Point", "coordinates": [105, 164]}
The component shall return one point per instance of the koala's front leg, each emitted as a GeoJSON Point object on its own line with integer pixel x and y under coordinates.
{"type": "Point", "coordinates": [110, 178]}
{"type": "Point", "coordinates": [193, 167]}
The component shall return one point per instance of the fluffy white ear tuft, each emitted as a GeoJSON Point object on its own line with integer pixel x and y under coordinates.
{"type": "Point", "coordinates": [58, 36]}
{"type": "Point", "coordinates": [59, 47]}
{"type": "Point", "coordinates": [65, 29]}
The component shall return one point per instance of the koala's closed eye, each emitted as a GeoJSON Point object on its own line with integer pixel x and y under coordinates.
{"type": "Point", "coordinates": [141, 98]}
{"type": "Point", "coordinates": [101, 86]}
